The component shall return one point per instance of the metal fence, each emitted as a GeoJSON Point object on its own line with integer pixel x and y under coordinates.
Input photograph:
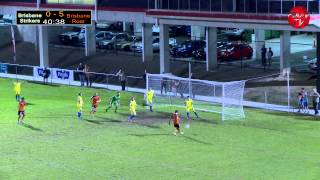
{"type": "Point", "coordinates": [91, 79]}
{"type": "Point", "coordinates": [274, 92]}
{"type": "Point", "coordinates": [241, 6]}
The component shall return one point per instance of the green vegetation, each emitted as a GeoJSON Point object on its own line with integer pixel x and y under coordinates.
{"type": "Point", "coordinates": [53, 144]}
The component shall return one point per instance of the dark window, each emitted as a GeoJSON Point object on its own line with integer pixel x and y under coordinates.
{"type": "Point", "coordinates": [287, 6]}
{"type": "Point", "coordinates": [314, 7]}
{"type": "Point", "coordinates": [124, 3]}
{"type": "Point", "coordinates": [263, 6]}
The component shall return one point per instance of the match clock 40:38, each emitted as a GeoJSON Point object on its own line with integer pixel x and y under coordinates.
{"type": "Point", "coordinates": [62, 17]}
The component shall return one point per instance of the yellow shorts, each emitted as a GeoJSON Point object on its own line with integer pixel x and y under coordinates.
{"type": "Point", "coordinates": [133, 112]}
{"type": "Point", "coordinates": [18, 92]}
{"type": "Point", "coordinates": [79, 108]}
{"type": "Point", "coordinates": [191, 109]}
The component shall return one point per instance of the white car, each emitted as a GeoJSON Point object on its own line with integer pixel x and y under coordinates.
{"type": "Point", "coordinates": [137, 46]}
{"type": "Point", "coordinates": [72, 37]}
{"type": "Point", "coordinates": [112, 40]}
{"type": "Point", "coordinates": [312, 64]}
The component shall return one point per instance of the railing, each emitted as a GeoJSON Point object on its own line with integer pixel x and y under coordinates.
{"type": "Point", "coordinates": [239, 6]}
{"type": "Point", "coordinates": [274, 95]}
{"type": "Point", "coordinates": [71, 77]}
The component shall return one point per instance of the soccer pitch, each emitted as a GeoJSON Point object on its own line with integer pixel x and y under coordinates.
{"type": "Point", "coordinates": [55, 145]}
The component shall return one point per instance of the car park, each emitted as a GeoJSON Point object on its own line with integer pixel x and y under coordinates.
{"type": "Point", "coordinates": [138, 46]}
{"type": "Point", "coordinates": [200, 54]}
{"type": "Point", "coordinates": [109, 26]}
{"type": "Point", "coordinates": [112, 40]}
{"type": "Point", "coordinates": [72, 37]}
{"type": "Point", "coordinates": [235, 51]}
{"type": "Point", "coordinates": [187, 48]}
{"type": "Point", "coordinates": [100, 35]}
{"type": "Point", "coordinates": [179, 30]}
{"type": "Point", "coordinates": [312, 64]}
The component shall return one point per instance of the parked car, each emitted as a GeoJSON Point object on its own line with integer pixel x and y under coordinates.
{"type": "Point", "coordinates": [180, 30]}
{"type": "Point", "coordinates": [109, 26]}
{"type": "Point", "coordinates": [72, 37]}
{"type": "Point", "coordinates": [127, 45]}
{"type": "Point", "coordinates": [100, 35]}
{"type": "Point", "coordinates": [6, 19]}
{"type": "Point", "coordinates": [187, 48]}
{"type": "Point", "coordinates": [312, 64]}
{"type": "Point", "coordinates": [112, 39]}
{"type": "Point", "coordinates": [235, 51]}
{"type": "Point", "coordinates": [200, 54]}
{"type": "Point", "coordinates": [138, 46]}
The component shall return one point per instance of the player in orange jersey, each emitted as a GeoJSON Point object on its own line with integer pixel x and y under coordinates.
{"type": "Point", "coordinates": [95, 100]}
{"type": "Point", "coordinates": [176, 122]}
{"type": "Point", "coordinates": [21, 110]}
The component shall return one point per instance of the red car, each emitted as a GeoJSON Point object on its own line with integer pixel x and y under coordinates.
{"type": "Point", "coordinates": [235, 51]}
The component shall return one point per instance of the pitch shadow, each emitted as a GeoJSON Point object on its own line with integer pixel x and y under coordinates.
{"type": "Point", "coordinates": [41, 83]}
{"type": "Point", "coordinates": [92, 121]}
{"type": "Point", "coordinates": [32, 127]}
{"type": "Point", "coordinates": [196, 140]}
{"type": "Point", "coordinates": [148, 135]}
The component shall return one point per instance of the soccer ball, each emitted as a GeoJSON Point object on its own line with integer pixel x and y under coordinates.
{"type": "Point", "coordinates": [187, 126]}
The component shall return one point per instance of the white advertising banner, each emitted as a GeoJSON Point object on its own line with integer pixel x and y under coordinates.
{"type": "Point", "coordinates": [55, 74]}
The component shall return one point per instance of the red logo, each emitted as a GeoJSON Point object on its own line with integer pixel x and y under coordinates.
{"type": "Point", "coordinates": [299, 17]}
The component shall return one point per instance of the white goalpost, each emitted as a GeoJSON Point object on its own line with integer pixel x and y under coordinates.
{"type": "Point", "coordinates": [225, 98]}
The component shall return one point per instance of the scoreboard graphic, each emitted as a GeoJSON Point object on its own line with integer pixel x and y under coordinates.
{"type": "Point", "coordinates": [49, 17]}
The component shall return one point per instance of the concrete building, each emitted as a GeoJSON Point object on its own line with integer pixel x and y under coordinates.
{"type": "Point", "coordinates": [204, 18]}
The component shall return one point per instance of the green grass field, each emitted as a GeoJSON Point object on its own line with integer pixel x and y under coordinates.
{"type": "Point", "coordinates": [55, 145]}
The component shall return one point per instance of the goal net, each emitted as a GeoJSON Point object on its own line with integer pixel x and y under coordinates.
{"type": "Point", "coordinates": [225, 98]}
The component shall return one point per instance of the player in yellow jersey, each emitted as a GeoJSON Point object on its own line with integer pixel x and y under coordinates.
{"type": "Point", "coordinates": [189, 107]}
{"type": "Point", "coordinates": [150, 94]}
{"type": "Point", "coordinates": [133, 107]}
{"type": "Point", "coordinates": [17, 89]}
{"type": "Point", "coordinates": [79, 106]}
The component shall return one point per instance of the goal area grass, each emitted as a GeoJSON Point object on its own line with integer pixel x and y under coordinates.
{"type": "Point", "coordinates": [53, 144]}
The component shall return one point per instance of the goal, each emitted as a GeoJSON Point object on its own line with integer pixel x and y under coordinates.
{"type": "Point", "coordinates": [225, 98]}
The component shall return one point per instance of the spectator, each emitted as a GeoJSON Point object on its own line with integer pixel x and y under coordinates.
{"type": "Point", "coordinates": [145, 77]}
{"type": "Point", "coordinates": [174, 87]}
{"type": "Point", "coordinates": [81, 69]}
{"type": "Point", "coordinates": [46, 74]}
{"type": "Point", "coordinates": [122, 78]}
{"type": "Point", "coordinates": [263, 57]}
{"type": "Point", "coordinates": [304, 100]}
{"type": "Point", "coordinates": [88, 76]}
{"type": "Point", "coordinates": [164, 84]}
{"type": "Point", "coordinates": [269, 56]}
{"type": "Point", "coordinates": [180, 88]}
{"type": "Point", "coordinates": [315, 100]}
{"type": "Point", "coordinates": [300, 101]}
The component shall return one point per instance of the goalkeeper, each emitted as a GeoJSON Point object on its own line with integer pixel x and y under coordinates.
{"type": "Point", "coordinates": [114, 100]}
{"type": "Point", "coordinates": [189, 107]}
{"type": "Point", "coordinates": [150, 94]}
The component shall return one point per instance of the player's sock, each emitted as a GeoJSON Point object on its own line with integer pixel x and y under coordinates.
{"type": "Point", "coordinates": [79, 115]}
{"type": "Point", "coordinates": [108, 108]}
{"type": "Point", "coordinates": [150, 108]}
{"type": "Point", "coordinates": [196, 114]}
{"type": "Point", "coordinates": [188, 115]}
{"type": "Point", "coordinates": [116, 109]}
